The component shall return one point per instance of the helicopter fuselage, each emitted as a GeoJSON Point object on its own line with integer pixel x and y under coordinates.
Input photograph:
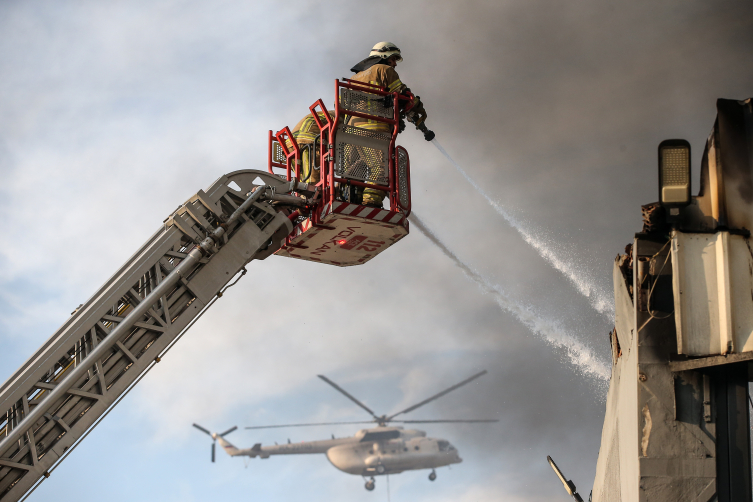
{"type": "Point", "coordinates": [384, 449]}
{"type": "Point", "coordinates": [370, 452]}
{"type": "Point", "coordinates": [393, 456]}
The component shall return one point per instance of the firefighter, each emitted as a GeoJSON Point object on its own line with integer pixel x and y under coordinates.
{"type": "Point", "coordinates": [305, 133]}
{"type": "Point", "coordinates": [379, 69]}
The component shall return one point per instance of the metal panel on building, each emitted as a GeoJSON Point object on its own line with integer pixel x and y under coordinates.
{"type": "Point", "coordinates": [713, 283]}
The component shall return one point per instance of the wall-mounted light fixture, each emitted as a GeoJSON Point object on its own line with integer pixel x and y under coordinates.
{"type": "Point", "coordinates": [674, 173]}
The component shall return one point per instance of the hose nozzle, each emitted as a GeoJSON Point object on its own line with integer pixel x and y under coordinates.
{"type": "Point", "coordinates": [428, 134]}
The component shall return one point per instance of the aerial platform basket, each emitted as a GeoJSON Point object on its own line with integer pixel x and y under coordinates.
{"type": "Point", "coordinates": [348, 234]}
{"type": "Point", "coordinates": [337, 228]}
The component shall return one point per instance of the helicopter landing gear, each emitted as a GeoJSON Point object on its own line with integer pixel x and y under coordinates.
{"type": "Point", "coordinates": [370, 485]}
{"type": "Point", "coordinates": [433, 475]}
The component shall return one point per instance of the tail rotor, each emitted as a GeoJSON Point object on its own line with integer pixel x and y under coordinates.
{"type": "Point", "coordinates": [214, 436]}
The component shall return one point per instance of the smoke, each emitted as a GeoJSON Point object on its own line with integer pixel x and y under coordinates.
{"type": "Point", "coordinates": [577, 353]}
{"type": "Point", "coordinates": [599, 299]}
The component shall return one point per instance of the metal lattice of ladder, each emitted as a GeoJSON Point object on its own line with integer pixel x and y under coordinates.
{"type": "Point", "coordinates": [120, 332]}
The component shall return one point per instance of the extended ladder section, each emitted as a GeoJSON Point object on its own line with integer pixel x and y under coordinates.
{"type": "Point", "coordinates": [112, 340]}
{"type": "Point", "coordinates": [109, 342]}
{"type": "Point", "coordinates": [350, 156]}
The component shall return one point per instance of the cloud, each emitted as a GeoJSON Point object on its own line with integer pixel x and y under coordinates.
{"type": "Point", "coordinates": [113, 114]}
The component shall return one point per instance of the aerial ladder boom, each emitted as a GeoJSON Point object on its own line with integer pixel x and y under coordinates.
{"type": "Point", "coordinates": [109, 343]}
{"type": "Point", "coordinates": [121, 331]}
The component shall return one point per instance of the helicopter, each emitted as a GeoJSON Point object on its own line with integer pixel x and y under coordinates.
{"type": "Point", "coordinates": [380, 450]}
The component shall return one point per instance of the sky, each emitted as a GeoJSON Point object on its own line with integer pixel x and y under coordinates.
{"type": "Point", "coordinates": [112, 114]}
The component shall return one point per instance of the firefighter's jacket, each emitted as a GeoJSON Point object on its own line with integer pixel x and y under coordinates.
{"type": "Point", "coordinates": [306, 130]}
{"type": "Point", "coordinates": [305, 133]}
{"type": "Point", "coordinates": [384, 76]}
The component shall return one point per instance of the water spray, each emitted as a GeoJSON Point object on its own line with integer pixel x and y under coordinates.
{"type": "Point", "coordinates": [578, 354]}
{"type": "Point", "coordinates": [599, 299]}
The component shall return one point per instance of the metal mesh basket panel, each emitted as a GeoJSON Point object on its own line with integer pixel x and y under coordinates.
{"type": "Point", "coordinates": [361, 163]}
{"type": "Point", "coordinates": [365, 102]}
{"type": "Point", "coordinates": [367, 159]}
{"type": "Point", "coordinates": [278, 155]}
{"type": "Point", "coordinates": [402, 177]}
{"type": "Point", "coordinates": [366, 133]}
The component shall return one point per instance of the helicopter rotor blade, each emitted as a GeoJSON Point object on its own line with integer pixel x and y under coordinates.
{"type": "Point", "coordinates": [460, 421]}
{"type": "Point", "coordinates": [228, 431]}
{"type": "Point", "coordinates": [212, 452]}
{"type": "Point", "coordinates": [437, 396]}
{"type": "Point", "coordinates": [202, 429]}
{"type": "Point", "coordinates": [345, 393]}
{"type": "Point", "coordinates": [305, 425]}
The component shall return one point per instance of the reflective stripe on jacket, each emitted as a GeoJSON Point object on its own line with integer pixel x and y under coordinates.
{"type": "Point", "coordinates": [306, 130]}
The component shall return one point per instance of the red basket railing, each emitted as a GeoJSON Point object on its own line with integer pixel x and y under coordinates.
{"type": "Point", "coordinates": [288, 157]}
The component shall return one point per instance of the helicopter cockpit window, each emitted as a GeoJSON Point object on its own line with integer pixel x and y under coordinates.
{"type": "Point", "coordinates": [443, 445]}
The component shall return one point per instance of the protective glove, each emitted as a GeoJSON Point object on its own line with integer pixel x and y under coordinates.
{"type": "Point", "coordinates": [417, 115]}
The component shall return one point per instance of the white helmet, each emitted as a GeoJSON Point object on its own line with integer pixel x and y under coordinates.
{"type": "Point", "coordinates": [386, 49]}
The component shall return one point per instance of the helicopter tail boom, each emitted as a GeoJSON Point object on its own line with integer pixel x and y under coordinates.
{"type": "Point", "coordinates": [256, 451]}
{"type": "Point", "coordinates": [228, 447]}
